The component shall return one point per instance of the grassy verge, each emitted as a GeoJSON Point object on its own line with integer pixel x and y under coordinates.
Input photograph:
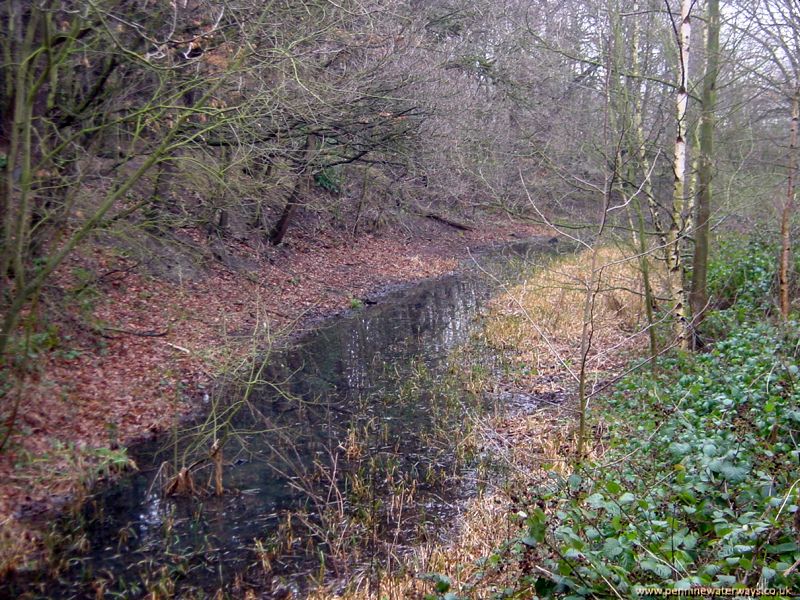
{"type": "Point", "coordinates": [698, 484]}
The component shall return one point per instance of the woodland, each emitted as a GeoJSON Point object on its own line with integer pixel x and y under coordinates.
{"type": "Point", "coordinates": [187, 185]}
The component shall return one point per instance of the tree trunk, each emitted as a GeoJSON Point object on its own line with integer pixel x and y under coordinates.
{"type": "Point", "coordinates": [677, 227]}
{"type": "Point", "coordinates": [587, 333]}
{"type": "Point", "coordinates": [361, 200]}
{"type": "Point", "coordinates": [698, 297]}
{"type": "Point", "coordinates": [640, 141]}
{"type": "Point", "coordinates": [160, 199]}
{"type": "Point", "coordinates": [278, 231]}
{"type": "Point", "coordinates": [649, 297]}
{"type": "Point", "coordinates": [788, 209]}
{"type": "Point", "coordinates": [595, 280]}
{"type": "Point", "coordinates": [637, 148]}
{"type": "Point", "coordinates": [258, 217]}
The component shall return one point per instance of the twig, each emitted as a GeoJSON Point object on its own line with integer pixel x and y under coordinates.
{"type": "Point", "coordinates": [792, 569]}
{"type": "Point", "coordinates": [136, 333]}
{"type": "Point", "coordinates": [181, 348]}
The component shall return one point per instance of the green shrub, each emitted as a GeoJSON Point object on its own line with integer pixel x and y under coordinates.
{"type": "Point", "coordinates": [704, 481]}
{"type": "Point", "coordinates": [743, 272]}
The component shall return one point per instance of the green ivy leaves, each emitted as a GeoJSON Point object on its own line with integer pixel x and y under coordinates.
{"type": "Point", "coordinates": [712, 462]}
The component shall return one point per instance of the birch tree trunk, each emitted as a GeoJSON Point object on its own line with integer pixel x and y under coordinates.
{"type": "Point", "coordinates": [677, 226]}
{"type": "Point", "coordinates": [788, 208]}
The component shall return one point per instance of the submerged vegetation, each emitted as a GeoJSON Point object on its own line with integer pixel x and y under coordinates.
{"type": "Point", "coordinates": [351, 478]}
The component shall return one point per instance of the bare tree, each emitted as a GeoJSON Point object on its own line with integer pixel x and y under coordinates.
{"type": "Point", "coordinates": [699, 292]}
{"type": "Point", "coordinates": [677, 228]}
{"type": "Point", "coordinates": [773, 32]}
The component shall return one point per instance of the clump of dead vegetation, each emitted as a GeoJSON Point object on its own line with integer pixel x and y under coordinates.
{"type": "Point", "coordinates": [540, 320]}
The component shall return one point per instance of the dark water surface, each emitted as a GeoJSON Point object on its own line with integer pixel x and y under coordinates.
{"type": "Point", "coordinates": [344, 397]}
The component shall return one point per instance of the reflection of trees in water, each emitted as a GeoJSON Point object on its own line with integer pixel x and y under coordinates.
{"type": "Point", "coordinates": [434, 323]}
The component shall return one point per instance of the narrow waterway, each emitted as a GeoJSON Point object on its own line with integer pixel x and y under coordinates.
{"type": "Point", "coordinates": [331, 429]}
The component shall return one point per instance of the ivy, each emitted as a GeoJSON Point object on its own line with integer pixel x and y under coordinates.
{"type": "Point", "coordinates": [329, 179]}
{"type": "Point", "coordinates": [704, 484]}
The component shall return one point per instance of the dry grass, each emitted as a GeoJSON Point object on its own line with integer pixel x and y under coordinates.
{"type": "Point", "coordinates": [15, 543]}
{"type": "Point", "coordinates": [541, 320]}
{"type": "Point", "coordinates": [526, 449]}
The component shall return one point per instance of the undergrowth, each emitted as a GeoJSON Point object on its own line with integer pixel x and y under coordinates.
{"type": "Point", "coordinates": [700, 478]}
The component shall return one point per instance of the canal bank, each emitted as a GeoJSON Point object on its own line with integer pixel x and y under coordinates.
{"type": "Point", "coordinates": [346, 404]}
